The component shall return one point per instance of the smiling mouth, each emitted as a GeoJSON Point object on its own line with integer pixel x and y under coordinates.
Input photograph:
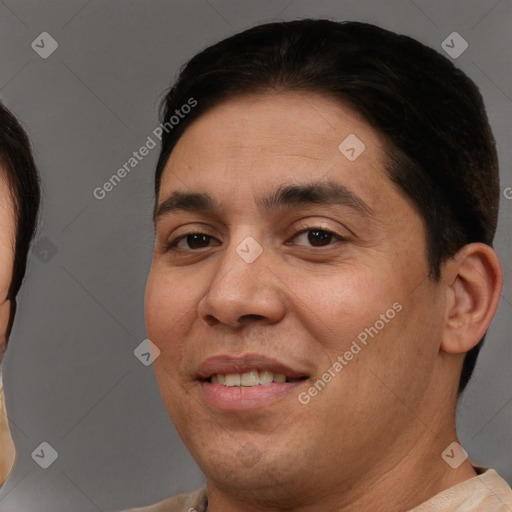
{"type": "Point", "coordinates": [251, 378]}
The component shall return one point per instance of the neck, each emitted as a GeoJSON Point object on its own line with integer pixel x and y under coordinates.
{"type": "Point", "coordinates": [7, 452]}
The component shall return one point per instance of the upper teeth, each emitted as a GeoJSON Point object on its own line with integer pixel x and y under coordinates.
{"type": "Point", "coordinates": [248, 379]}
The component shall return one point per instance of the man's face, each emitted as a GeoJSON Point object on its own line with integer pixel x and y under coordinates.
{"type": "Point", "coordinates": [7, 235]}
{"type": "Point", "coordinates": [331, 266]}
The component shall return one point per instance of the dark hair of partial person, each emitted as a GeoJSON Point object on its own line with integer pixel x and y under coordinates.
{"type": "Point", "coordinates": [17, 163]}
{"type": "Point", "coordinates": [440, 150]}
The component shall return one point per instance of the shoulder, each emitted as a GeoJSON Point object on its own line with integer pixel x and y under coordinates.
{"type": "Point", "coordinates": [190, 502]}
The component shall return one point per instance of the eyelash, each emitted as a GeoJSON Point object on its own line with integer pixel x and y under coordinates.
{"type": "Point", "coordinates": [172, 245]}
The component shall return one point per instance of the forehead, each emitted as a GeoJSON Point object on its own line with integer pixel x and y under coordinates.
{"type": "Point", "coordinates": [273, 123]}
{"type": "Point", "coordinates": [7, 215]}
{"type": "Point", "coordinates": [261, 141]}
{"type": "Point", "coordinates": [7, 233]}
{"type": "Point", "coordinates": [6, 203]}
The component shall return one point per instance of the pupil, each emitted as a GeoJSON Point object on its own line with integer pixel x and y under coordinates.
{"type": "Point", "coordinates": [197, 239]}
{"type": "Point", "coordinates": [319, 237]}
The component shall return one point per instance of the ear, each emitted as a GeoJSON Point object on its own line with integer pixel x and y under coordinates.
{"type": "Point", "coordinates": [474, 281]}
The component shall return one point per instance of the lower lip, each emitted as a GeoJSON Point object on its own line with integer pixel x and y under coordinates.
{"type": "Point", "coordinates": [235, 399]}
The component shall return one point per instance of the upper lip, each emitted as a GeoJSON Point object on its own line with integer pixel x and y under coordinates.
{"type": "Point", "coordinates": [226, 364]}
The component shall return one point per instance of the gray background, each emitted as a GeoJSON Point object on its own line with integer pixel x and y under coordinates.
{"type": "Point", "coordinates": [70, 374]}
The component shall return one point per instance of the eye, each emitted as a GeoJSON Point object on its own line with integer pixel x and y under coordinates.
{"type": "Point", "coordinates": [190, 241]}
{"type": "Point", "coordinates": [311, 236]}
{"type": "Point", "coordinates": [317, 237]}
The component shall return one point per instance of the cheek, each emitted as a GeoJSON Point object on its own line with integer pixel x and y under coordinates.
{"type": "Point", "coordinates": [5, 310]}
{"type": "Point", "coordinates": [163, 308]}
{"type": "Point", "coordinates": [382, 309]}
{"type": "Point", "coordinates": [6, 268]}
{"type": "Point", "coordinates": [162, 312]}
{"type": "Point", "coordinates": [170, 312]}
{"type": "Point", "coordinates": [338, 305]}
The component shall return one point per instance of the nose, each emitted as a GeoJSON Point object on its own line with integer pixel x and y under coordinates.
{"type": "Point", "coordinates": [242, 291]}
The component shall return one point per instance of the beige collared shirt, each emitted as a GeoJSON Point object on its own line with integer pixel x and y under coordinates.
{"type": "Point", "coordinates": [487, 492]}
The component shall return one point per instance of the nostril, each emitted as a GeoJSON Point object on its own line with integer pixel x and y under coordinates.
{"type": "Point", "coordinates": [250, 317]}
{"type": "Point", "coordinates": [210, 320]}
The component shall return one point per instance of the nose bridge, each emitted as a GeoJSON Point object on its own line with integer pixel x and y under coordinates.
{"type": "Point", "coordinates": [240, 287]}
{"type": "Point", "coordinates": [241, 265]}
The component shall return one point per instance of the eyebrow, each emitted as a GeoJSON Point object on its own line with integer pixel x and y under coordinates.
{"type": "Point", "coordinates": [285, 197]}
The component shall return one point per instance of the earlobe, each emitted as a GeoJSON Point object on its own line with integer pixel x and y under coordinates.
{"type": "Point", "coordinates": [474, 280]}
